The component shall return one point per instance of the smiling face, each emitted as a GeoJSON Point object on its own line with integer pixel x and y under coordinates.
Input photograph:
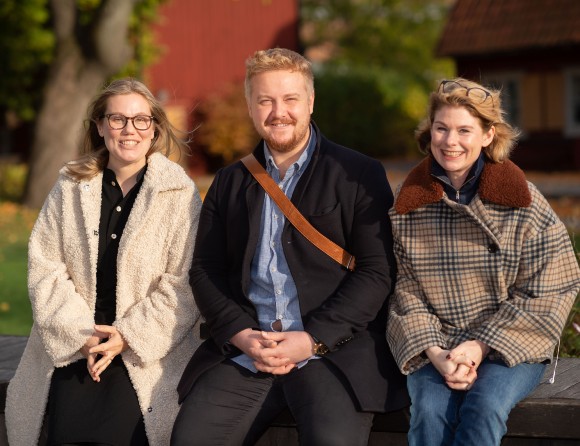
{"type": "Point", "coordinates": [280, 105]}
{"type": "Point", "coordinates": [457, 139]}
{"type": "Point", "coordinates": [128, 146]}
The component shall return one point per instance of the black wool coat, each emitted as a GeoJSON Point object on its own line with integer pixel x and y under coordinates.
{"type": "Point", "coordinates": [346, 196]}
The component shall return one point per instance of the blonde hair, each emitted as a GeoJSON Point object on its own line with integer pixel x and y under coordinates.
{"type": "Point", "coordinates": [488, 111]}
{"type": "Point", "coordinates": [94, 153]}
{"type": "Point", "coordinates": [275, 59]}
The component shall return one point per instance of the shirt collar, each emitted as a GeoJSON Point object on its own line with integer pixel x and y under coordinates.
{"type": "Point", "coordinates": [438, 172]}
{"type": "Point", "coordinates": [109, 175]}
{"type": "Point", "coordinates": [301, 163]}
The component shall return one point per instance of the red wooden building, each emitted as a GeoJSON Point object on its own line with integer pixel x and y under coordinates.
{"type": "Point", "coordinates": [531, 48]}
{"type": "Point", "coordinates": [206, 43]}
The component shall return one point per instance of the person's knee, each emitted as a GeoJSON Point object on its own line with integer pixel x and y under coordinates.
{"type": "Point", "coordinates": [181, 435]}
{"type": "Point", "coordinates": [490, 407]}
{"type": "Point", "coordinates": [353, 430]}
{"type": "Point", "coordinates": [184, 434]}
{"type": "Point", "coordinates": [483, 420]}
{"type": "Point", "coordinates": [433, 418]}
{"type": "Point", "coordinates": [430, 395]}
{"type": "Point", "coordinates": [425, 406]}
{"type": "Point", "coordinates": [190, 427]}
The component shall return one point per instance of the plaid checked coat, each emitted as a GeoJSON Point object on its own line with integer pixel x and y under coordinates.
{"type": "Point", "coordinates": [501, 269]}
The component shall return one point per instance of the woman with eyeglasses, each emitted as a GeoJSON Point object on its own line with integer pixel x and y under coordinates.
{"type": "Point", "coordinates": [108, 280]}
{"type": "Point", "coordinates": [486, 273]}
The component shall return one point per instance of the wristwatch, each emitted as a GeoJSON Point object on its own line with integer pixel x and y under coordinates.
{"type": "Point", "coordinates": [320, 348]}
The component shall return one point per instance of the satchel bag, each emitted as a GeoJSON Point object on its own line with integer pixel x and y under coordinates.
{"type": "Point", "coordinates": [294, 216]}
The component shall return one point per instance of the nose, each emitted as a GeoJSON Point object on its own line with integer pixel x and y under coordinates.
{"type": "Point", "coordinates": [452, 137]}
{"type": "Point", "coordinates": [278, 109]}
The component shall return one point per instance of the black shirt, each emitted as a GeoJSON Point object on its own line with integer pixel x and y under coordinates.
{"type": "Point", "coordinates": [115, 211]}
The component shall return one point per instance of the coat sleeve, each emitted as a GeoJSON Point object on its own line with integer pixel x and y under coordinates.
{"type": "Point", "coordinates": [412, 328]}
{"type": "Point", "coordinates": [529, 322]}
{"type": "Point", "coordinates": [362, 294]}
{"type": "Point", "coordinates": [63, 317]}
{"type": "Point", "coordinates": [168, 312]}
{"type": "Point", "coordinates": [210, 272]}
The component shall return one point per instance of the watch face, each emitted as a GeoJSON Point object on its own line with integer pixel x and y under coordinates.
{"type": "Point", "coordinates": [320, 349]}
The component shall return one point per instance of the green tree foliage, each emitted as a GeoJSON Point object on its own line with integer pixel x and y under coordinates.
{"type": "Point", "coordinates": [352, 107]}
{"type": "Point", "coordinates": [26, 45]}
{"type": "Point", "coordinates": [54, 56]}
{"type": "Point", "coordinates": [377, 67]}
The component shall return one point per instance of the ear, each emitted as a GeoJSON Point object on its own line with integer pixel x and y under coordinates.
{"type": "Point", "coordinates": [100, 127]}
{"type": "Point", "coordinates": [488, 136]}
{"type": "Point", "coordinates": [311, 102]}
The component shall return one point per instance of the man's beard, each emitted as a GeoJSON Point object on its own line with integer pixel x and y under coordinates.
{"type": "Point", "coordinates": [290, 144]}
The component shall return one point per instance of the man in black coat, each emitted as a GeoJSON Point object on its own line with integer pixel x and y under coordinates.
{"type": "Point", "coordinates": [288, 326]}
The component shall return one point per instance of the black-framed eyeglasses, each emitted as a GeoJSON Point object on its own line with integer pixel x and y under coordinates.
{"type": "Point", "coordinates": [118, 122]}
{"type": "Point", "coordinates": [476, 94]}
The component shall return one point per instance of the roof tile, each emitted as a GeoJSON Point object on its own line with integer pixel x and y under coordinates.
{"type": "Point", "coordinates": [490, 26]}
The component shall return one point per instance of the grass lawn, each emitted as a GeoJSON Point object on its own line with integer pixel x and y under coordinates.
{"type": "Point", "coordinates": [15, 226]}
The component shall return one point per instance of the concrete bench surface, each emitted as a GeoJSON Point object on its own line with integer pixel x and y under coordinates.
{"type": "Point", "coordinates": [550, 416]}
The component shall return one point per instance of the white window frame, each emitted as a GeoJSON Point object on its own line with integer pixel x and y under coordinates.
{"type": "Point", "coordinates": [572, 101]}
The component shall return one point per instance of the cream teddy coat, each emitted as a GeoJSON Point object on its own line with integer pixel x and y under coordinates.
{"type": "Point", "coordinates": [156, 312]}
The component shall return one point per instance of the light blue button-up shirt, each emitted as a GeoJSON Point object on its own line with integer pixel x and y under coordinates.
{"type": "Point", "coordinates": [272, 289]}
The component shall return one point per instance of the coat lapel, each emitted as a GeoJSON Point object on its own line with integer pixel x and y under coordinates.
{"type": "Point", "coordinates": [302, 185]}
{"type": "Point", "coordinates": [254, 203]}
{"type": "Point", "coordinates": [419, 189]}
{"type": "Point", "coordinates": [156, 180]}
{"type": "Point", "coordinates": [479, 212]}
{"type": "Point", "coordinates": [90, 193]}
{"type": "Point", "coordinates": [501, 183]}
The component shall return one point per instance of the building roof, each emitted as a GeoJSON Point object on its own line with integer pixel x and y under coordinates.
{"type": "Point", "coordinates": [496, 26]}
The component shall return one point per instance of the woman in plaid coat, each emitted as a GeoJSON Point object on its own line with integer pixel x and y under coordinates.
{"type": "Point", "coordinates": [486, 273]}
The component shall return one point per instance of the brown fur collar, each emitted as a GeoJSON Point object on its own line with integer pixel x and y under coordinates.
{"type": "Point", "coordinates": [503, 184]}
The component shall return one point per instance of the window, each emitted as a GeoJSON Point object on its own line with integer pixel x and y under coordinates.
{"type": "Point", "coordinates": [510, 86]}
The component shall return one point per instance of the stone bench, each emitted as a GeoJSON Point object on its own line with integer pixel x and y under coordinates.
{"type": "Point", "coordinates": [550, 416]}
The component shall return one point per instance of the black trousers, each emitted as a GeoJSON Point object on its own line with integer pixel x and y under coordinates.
{"type": "Point", "coordinates": [230, 405]}
{"type": "Point", "coordinates": [81, 411]}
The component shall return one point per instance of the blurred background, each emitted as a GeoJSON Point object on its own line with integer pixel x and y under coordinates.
{"type": "Point", "coordinates": [375, 63]}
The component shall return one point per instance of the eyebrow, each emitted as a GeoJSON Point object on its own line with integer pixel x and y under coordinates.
{"type": "Point", "coordinates": [288, 95]}
{"type": "Point", "coordinates": [122, 114]}
{"type": "Point", "coordinates": [466, 126]}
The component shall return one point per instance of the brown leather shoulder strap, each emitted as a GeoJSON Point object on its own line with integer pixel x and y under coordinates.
{"type": "Point", "coordinates": [295, 217]}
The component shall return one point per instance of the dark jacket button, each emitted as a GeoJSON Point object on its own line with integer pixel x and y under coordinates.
{"type": "Point", "coordinates": [493, 248]}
